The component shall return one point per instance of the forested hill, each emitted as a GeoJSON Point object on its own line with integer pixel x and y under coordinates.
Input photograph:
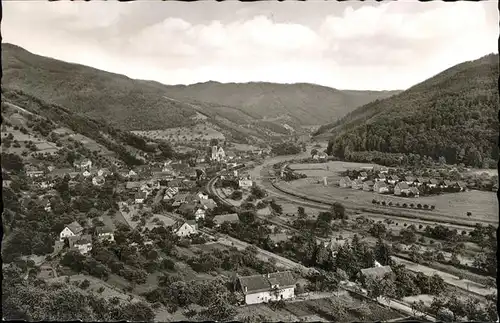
{"type": "Point", "coordinates": [453, 115]}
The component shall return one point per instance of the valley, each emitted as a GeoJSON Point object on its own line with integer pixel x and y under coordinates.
{"type": "Point", "coordinates": [244, 201]}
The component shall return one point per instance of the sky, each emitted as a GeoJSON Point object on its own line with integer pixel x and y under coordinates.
{"type": "Point", "coordinates": [345, 45]}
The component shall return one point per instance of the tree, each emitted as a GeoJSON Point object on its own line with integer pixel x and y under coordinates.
{"type": "Point", "coordinates": [220, 310]}
{"type": "Point", "coordinates": [418, 309]}
{"type": "Point", "coordinates": [339, 211]}
{"type": "Point", "coordinates": [301, 212]}
{"type": "Point", "coordinates": [383, 253]}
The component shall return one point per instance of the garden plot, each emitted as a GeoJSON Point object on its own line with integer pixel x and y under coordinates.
{"type": "Point", "coordinates": [197, 132]}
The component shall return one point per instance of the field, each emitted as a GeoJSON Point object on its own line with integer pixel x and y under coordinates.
{"type": "Point", "coordinates": [325, 309]}
{"type": "Point", "coordinates": [482, 205]}
{"type": "Point", "coordinates": [197, 132]}
{"type": "Point", "coordinates": [95, 284]}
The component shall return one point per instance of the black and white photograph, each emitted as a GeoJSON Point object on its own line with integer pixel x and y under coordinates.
{"type": "Point", "coordinates": [266, 161]}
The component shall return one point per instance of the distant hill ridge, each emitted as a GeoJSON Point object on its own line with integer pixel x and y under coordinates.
{"type": "Point", "coordinates": [144, 105]}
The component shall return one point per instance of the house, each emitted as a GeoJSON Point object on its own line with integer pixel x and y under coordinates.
{"type": "Point", "coordinates": [202, 196]}
{"type": "Point", "coordinates": [462, 186]}
{"type": "Point", "coordinates": [374, 273]}
{"type": "Point", "coordinates": [140, 197]}
{"type": "Point", "coordinates": [199, 214]}
{"type": "Point", "coordinates": [45, 203]}
{"type": "Point", "coordinates": [46, 184]}
{"type": "Point", "coordinates": [368, 186]}
{"type": "Point", "coordinates": [357, 184]}
{"type": "Point", "coordinates": [180, 199]}
{"type": "Point", "coordinates": [231, 218]}
{"type": "Point", "coordinates": [98, 181]}
{"type": "Point", "coordinates": [104, 172]}
{"type": "Point", "coordinates": [345, 182]}
{"type": "Point", "coordinates": [410, 180]}
{"type": "Point", "coordinates": [433, 183]}
{"type": "Point", "coordinates": [133, 185]}
{"type": "Point", "coordinates": [105, 233]}
{"type": "Point", "coordinates": [446, 183]}
{"type": "Point", "coordinates": [208, 204]}
{"type": "Point", "coordinates": [315, 157]}
{"type": "Point", "coordinates": [393, 179]}
{"type": "Point", "coordinates": [264, 288]}
{"type": "Point", "coordinates": [230, 155]}
{"type": "Point", "coordinates": [131, 173]}
{"type": "Point", "coordinates": [33, 172]}
{"type": "Point", "coordinates": [401, 188]}
{"type": "Point", "coordinates": [362, 176]}
{"type": "Point", "coordinates": [71, 230]}
{"type": "Point", "coordinates": [384, 170]}
{"type": "Point", "coordinates": [322, 156]}
{"type": "Point", "coordinates": [380, 178]}
{"type": "Point", "coordinates": [245, 183]}
{"type": "Point", "coordinates": [421, 181]}
{"type": "Point", "coordinates": [380, 187]}
{"type": "Point", "coordinates": [81, 243]}
{"type": "Point", "coordinates": [60, 172]}
{"type": "Point", "coordinates": [170, 193]}
{"type": "Point", "coordinates": [335, 244]}
{"type": "Point", "coordinates": [495, 187]}
{"type": "Point", "coordinates": [73, 175]}
{"type": "Point", "coordinates": [414, 191]}
{"type": "Point", "coordinates": [83, 164]}
{"type": "Point", "coordinates": [185, 228]}
{"type": "Point", "coordinates": [86, 173]}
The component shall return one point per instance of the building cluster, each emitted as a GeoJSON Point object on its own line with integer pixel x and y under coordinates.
{"type": "Point", "coordinates": [383, 183]}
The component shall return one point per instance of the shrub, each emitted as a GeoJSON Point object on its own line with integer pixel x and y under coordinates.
{"type": "Point", "coordinates": [374, 201]}
{"type": "Point", "coordinates": [433, 207]}
{"type": "Point", "coordinates": [426, 206]}
{"type": "Point", "coordinates": [419, 205]}
{"type": "Point", "coordinates": [85, 284]}
{"type": "Point", "coordinates": [405, 205]}
{"type": "Point", "coordinates": [383, 203]}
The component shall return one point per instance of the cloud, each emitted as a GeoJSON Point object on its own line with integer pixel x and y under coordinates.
{"type": "Point", "coordinates": [379, 46]}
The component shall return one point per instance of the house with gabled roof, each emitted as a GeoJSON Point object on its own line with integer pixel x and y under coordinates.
{"type": "Point", "coordinates": [71, 230]}
{"type": "Point", "coordinates": [140, 197]}
{"type": "Point", "coordinates": [98, 180]}
{"type": "Point", "coordinates": [401, 188]}
{"type": "Point", "coordinates": [105, 232]}
{"type": "Point", "coordinates": [380, 187]}
{"type": "Point", "coordinates": [433, 183]}
{"type": "Point", "coordinates": [357, 184]}
{"type": "Point", "coordinates": [230, 218]}
{"type": "Point", "coordinates": [368, 186]}
{"type": "Point", "coordinates": [345, 182]}
{"type": "Point", "coordinates": [374, 273]}
{"type": "Point", "coordinates": [82, 244]}
{"type": "Point", "coordinates": [410, 180]}
{"type": "Point", "coordinates": [83, 164]}
{"type": "Point", "coordinates": [393, 179]}
{"type": "Point", "coordinates": [269, 287]}
{"type": "Point", "coordinates": [180, 199]}
{"type": "Point", "coordinates": [104, 172]}
{"type": "Point", "coordinates": [208, 204]}
{"type": "Point", "coordinates": [414, 191]}
{"type": "Point", "coordinates": [185, 228]}
{"type": "Point", "coordinates": [421, 181]}
{"type": "Point", "coordinates": [362, 176]}
{"type": "Point", "coordinates": [380, 177]}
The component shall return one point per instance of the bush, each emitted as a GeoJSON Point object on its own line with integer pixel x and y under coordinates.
{"type": "Point", "coordinates": [419, 205]}
{"type": "Point", "coordinates": [85, 284]}
{"type": "Point", "coordinates": [383, 203]}
{"type": "Point", "coordinates": [405, 205]}
{"type": "Point", "coordinates": [433, 207]}
{"type": "Point", "coordinates": [426, 206]}
{"type": "Point", "coordinates": [374, 201]}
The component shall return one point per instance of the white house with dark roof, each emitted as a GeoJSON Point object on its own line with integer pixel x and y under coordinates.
{"type": "Point", "coordinates": [98, 180]}
{"type": "Point", "coordinates": [345, 182]}
{"type": "Point", "coordinates": [393, 179]}
{"type": "Point", "coordinates": [380, 187]}
{"type": "Point", "coordinates": [71, 230]}
{"type": "Point", "coordinates": [374, 273]}
{"type": "Point", "coordinates": [140, 197]}
{"type": "Point", "coordinates": [105, 233]}
{"type": "Point", "coordinates": [83, 163]}
{"type": "Point", "coordinates": [185, 228]}
{"type": "Point", "coordinates": [264, 288]}
{"type": "Point", "coordinates": [81, 243]}
{"type": "Point", "coordinates": [401, 188]}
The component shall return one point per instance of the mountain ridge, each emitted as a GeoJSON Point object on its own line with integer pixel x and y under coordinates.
{"type": "Point", "coordinates": [435, 118]}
